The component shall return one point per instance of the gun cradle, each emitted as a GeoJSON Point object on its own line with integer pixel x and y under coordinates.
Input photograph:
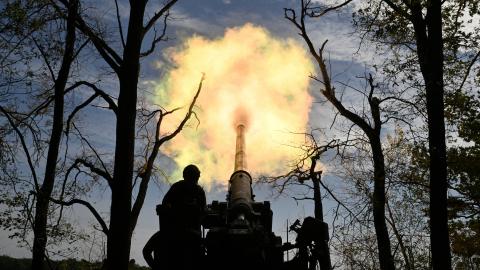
{"type": "Point", "coordinates": [240, 230]}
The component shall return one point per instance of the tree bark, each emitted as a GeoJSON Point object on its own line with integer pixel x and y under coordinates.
{"type": "Point", "coordinates": [119, 238]}
{"type": "Point", "coordinates": [43, 195]}
{"type": "Point", "coordinates": [439, 237]}
{"type": "Point", "coordinates": [381, 230]}
{"type": "Point", "coordinates": [428, 33]}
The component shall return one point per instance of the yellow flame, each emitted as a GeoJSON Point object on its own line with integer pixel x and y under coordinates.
{"type": "Point", "coordinates": [250, 78]}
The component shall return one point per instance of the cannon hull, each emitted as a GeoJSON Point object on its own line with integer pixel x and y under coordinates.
{"type": "Point", "coordinates": [242, 243]}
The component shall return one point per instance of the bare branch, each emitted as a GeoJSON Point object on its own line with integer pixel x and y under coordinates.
{"type": "Point", "coordinates": [89, 206]}
{"type": "Point", "coordinates": [302, 198]}
{"type": "Point", "coordinates": [147, 171]}
{"type": "Point", "coordinates": [329, 91]}
{"type": "Point", "coordinates": [338, 201]}
{"type": "Point", "coordinates": [157, 16]}
{"type": "Point", "coordinates": [96, 170]}
{"type": "Point", "coordinates": [414, 105]}
{"type": "Point", "coordinates": [24, 146]}
{"type": "Point", "coordinates": [156, 39]}
{"type": "Point", "coordinates": [318, 11]}
{"type": "Point", "coordinates": [45, 59]}
{"type": "Point", "coordinates": [91, 148]}
{"type": "Point", "coordinates": [77, 109]}
{"type": "Point", "coordinates": [291, 16]}
{"type": "Point", "coordinates": [84, 44]}
{"type": "Point", "coordinates": [62, 192]}
{"type": "Point", "coordinates": [397, 9]}
{"type": "Point", "coordinates": [374, 107]}
{"type": "Point", "coordinates": [111, 103]}
{"type": "Point", "coordinates": [467, 72]}
{"type": "Point", "coordinates": [187, 116]}
{"type": "Point", "coordinates": [120, 29]}
{"type": "Point", "coordinates": [109, 54]}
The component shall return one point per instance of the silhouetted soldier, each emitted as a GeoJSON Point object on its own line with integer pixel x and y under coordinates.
{"type": "Point", "coordinates": [186, 202]}
{"type": "Point", "coordinates": [178, 244]}
{"type": "Point", "coordinates": [159, 249]}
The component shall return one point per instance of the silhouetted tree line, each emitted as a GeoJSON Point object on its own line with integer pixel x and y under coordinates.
{"type": "Point", "coordinates": [9, 263]}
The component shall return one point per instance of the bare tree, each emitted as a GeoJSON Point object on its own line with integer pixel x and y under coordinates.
{"type": "Point", "coordinates": [298, 175]}
{"type": "Point", "coordinates": [371, 125]}
{"type": "Point", "coordinates": [126, 66]}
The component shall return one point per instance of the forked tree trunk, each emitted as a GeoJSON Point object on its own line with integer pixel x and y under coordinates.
{"type": "Point", "coordinates": [119, 238]}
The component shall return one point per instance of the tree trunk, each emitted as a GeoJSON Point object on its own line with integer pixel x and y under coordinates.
{"type": "Point", "coordinates": [373, 134]}
{"type": "Point", "coordinates": [43, 195]}
{"type": "Point", "coordinates": [383, 240]}
{"type": "Point", "coordinates": [119, 238]}
{"type": "Point", "coordinates": [428, 33]}
{"type": "Point", "coordinates": [439, 237]}
{"type": "Point", "coordinates": [324, 259]}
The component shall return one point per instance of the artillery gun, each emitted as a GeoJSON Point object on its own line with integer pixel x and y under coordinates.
{"type": "Point", "coordinates": [239, 230]}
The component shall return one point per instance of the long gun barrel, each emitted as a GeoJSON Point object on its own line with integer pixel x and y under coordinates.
{"type": "Point", "coordinates": [240, 196]}
{"type": "Point", "coordinates": [240, 151]}
{"type": "Point", "coordinates": [240, 233]}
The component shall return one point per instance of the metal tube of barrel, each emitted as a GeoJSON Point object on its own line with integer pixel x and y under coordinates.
{"type": "Point", "coordinates": [240, 154]}
{"type": "Point", "coordinates": [240, 192]}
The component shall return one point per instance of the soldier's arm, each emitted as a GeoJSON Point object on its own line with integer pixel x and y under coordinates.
{"type": "Point", "coordinates": [148, 250]}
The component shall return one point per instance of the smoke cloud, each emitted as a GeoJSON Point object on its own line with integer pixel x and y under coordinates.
{"type": "Point", "coordinates": [251, 78]}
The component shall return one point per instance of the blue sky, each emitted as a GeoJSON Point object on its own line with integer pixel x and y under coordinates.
{"type": "Point", "coordinates": [210, 18]}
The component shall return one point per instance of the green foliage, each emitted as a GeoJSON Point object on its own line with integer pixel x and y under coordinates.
{"type": "Point", "coordinates": [465, 237]}
{"type": "Point", "coordinates": [394, 38]}
{"type": "Point", "coordinates": [393, 34]}
{"type": "Point", "coordinates": [15, 216]}
{"type": "Point", "coordinates": [17, 16]}
{"type": "Point", "coordinates": [463, 156]}
{"type": "Point", "coordinates": [463, 111]}
{"type": "Point", "coordinates": [8, 263]}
